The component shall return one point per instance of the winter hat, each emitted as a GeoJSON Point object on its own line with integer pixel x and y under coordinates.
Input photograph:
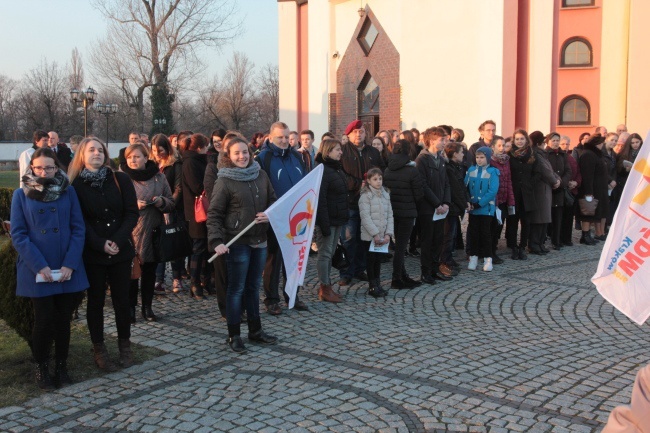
{"type": "Point", "coordinates": [485, 151]}
{"type": "Point", "coordinates": [355, 124]}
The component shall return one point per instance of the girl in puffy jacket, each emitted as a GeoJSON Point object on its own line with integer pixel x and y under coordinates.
{"type": "Point", "coordinates": [482, 181]}
{"type": "Point", "coordinates": [376, 225]}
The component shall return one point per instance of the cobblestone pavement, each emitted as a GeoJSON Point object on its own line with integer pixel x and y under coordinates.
{"type": "Point", "coordinates": [528, 347]}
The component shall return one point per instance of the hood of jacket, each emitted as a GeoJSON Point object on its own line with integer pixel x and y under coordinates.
{"type": "Point", "coordinates": [397, 161]}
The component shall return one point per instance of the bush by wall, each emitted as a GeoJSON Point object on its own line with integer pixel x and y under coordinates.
{"type": "Point", "coordinates": [16, 311]}
{"type": "Point", "coordinates": [5, 204]}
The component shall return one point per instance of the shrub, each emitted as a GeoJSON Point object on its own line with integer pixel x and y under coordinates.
{"type": "Point", "coordinates": [16, 311]}
{"type": "Point", "coordinates": [5, 204]}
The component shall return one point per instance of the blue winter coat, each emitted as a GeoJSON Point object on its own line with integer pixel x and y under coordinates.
{"type": "Point", "coordinates": [48, 234]}
{"type": "Point", "coordinates": [285, 167]}
{"type": "Point", "coordinates": [483, 186]}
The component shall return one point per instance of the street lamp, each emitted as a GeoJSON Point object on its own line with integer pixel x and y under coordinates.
{"type": "Point", "coordinates": [160, 121]}
{"type": "Point", "coordinates": [107, 110]}
{"type": "Point", "coordinates": [86, 97]}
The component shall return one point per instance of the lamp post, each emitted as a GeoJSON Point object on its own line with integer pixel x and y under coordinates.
{"type": "Point", "coordinates": [160, 121]}
{"type": "Point", "coordinates": [86, 97]}
{"type": "Point", "coordinates": [107, 110]}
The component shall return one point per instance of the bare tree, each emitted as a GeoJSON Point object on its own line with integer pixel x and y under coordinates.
{"type": "Point", "coordinates": [268, 89]}
{"type": "Point", "coordinates": [8, 117]}
{"type": "Point", "coordinates": [75, 71]}
{"type": "Point", "coordinates": [238, 90]}
{"type": "Point", "coordinates": [47, 87]}
{"type": "Point", "coordinates": [153, 42]}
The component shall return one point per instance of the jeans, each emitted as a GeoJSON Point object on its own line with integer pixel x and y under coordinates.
{"type": "Point", "coordinates": [119, 278]}
{"type": "Point", "coordinates": [403, 229]}
{"type": "Point", "coordinates": [479, 227]}
{"type": "Point", "coordinates": [52, 316]}
{"type": "Point", "coordinates": [245, 265]}
{"type": "Point", "coordinates": [452, 225]}
{"type": "Point", "coordinates": [351, 240]}
{"type": "Point", "coordinates": [326, 248]}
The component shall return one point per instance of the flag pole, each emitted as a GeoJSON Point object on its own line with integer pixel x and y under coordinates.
{"type": "Point", "coordinates": [232, 241]}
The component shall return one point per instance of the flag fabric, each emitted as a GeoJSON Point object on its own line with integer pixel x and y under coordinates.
{"type": "Point", "coordinates": [292, 218]}
{"type": "Point", "coordinates": [624, 268]}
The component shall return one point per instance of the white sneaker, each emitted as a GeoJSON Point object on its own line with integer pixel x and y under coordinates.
{"type": "Point", "coordinates": [473, 263]}
{"type": "Point", "coordinates": [487, 264]}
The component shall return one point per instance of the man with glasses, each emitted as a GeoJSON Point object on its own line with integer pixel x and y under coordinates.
{"type": "Point", "coordinates": [39, 139]}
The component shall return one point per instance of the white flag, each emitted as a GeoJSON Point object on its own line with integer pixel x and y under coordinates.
{"type": "Point", "coordinates": [624, 269]}
{"type": "Point", "coordinates": [292, 218]}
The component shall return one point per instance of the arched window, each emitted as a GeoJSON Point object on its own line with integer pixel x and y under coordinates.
{"type": "Point", "coordinates": [576, 52]}
{"type": "Point", "coordinates": [574, 110]}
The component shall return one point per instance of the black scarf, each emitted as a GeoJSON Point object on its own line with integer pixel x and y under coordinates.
{"type": "Point", "coordinates": [95, 178]}
{"type": "Point", "coordinates": [149, 171]}
{"type": "Point", "coordinates": [45, 189]}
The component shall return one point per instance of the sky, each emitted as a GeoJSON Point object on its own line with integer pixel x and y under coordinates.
{"type": "Point", "coordinates": [34, 30]}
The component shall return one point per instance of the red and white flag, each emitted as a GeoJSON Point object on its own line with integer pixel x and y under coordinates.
{"type": "Point", "coordinates": [623, 273]}
{"type": "Point", "coordinates": [293, 218]}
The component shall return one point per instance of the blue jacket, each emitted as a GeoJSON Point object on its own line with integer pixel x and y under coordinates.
{"type": "Point", "coordinates": [283, 166]}
{"type": "Point", "coordinates": [483, 186]}
{"type": "Point", "coordinates": [48, 234]}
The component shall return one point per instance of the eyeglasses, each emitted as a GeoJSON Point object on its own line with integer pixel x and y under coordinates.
{"type": "Point", "coordinates": [48, 169]}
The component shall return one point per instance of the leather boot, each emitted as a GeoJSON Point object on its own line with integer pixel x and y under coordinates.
{"type": "Point", "coordinates": [126, 356]}
{"type": "Point", "coordinates": [515, 254]}
{"type": "Point", "coordinates": [196, 292]}
{"type": "Point", "coordinates": [257, 335]}
{"type": "Point", "coordinates": [522, 253]}
{"type": "Point", "coordinates": [234, 339]}
{"type": "Point", "coordinates": [42, 375]}
{"type": "Point", "coordinates": [326, 294]}
{"type": "Point", "coordinates": [61, 376]}
{"type": "Point", "coordinates": [148, 315]}
{"type": "Point", "coordinates": [101, 357]}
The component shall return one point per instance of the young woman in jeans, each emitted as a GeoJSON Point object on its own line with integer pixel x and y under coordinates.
{"type": "Point", "coordinates": [241, 195]}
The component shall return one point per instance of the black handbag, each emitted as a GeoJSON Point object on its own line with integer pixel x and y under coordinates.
{"type": "Point", "coordinates": [340, 259]}
{"type": "Point", "coordinates": [171, 241]}
{"type": "Point", "coordinates": [569, 199]}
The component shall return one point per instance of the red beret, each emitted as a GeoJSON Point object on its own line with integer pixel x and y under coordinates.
{"type": "Point", "coordinates": [355, 124]}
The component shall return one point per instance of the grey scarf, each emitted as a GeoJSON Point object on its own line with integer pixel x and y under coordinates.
{"type": "Point", "coordinates": [241, 174]}
{"type": "Point", "coordinates": [45, 189]}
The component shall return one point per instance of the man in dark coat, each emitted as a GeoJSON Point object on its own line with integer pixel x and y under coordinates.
{"type": "Point", "coordinates": [357, 159]}
{"type": "Point", "coordinates": [63, 153]}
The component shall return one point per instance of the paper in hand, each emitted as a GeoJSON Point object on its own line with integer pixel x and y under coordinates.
{"type": "Point", "coordinates": [378, 248]}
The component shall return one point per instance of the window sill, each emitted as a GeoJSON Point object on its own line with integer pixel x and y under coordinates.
{"type": "Point", "coordinates": [576, 126]}
{"type": "Point", "coordinates": [577, 68]}
{"type": "Point", "coordinates": [570, 8]}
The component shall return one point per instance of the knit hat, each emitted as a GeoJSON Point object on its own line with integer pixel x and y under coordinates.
{"type": "Point", "coordinates": [485, 151]}
{"type": "Point", "coordinates": [355, 124]}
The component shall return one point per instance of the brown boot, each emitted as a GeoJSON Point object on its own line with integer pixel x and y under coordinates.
{"type": "Point", "coordinates": [101, 357]}
{"type": "Point", "coordinates": [326, 294]}
{"type": "Point", "coordinates": [126, 356]}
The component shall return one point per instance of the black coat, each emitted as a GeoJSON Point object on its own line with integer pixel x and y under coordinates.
{"type": "Point", "coordinates": [434, 183]}
{"type": "Point", "coordinates": [210, 177]}
{"type": "Point", "coordinates": [560, 163]}
{"type": "Point", "coordinates": [194, 165]}
{"type": "Point", "coordinates": [174, 175]}
{"type": "Point", "coordinates": [333, 196]}
{"type": "Point", "coordinates": [403, 181]}
{"type": "Point", "coordinates": [110, 213]}
{"type": "Point", "coordinates": [521, 173]}
{"type": "Point", "coordinates": [64, 155]}
{"type": "Point", "coordinates": [356, 164]}
{"type": "Point", "coordinates": [595, 180]}
{"type": "Point", "coordinates": [459, 192]}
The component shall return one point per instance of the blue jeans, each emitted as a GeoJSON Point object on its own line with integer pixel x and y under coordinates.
{"type": "Point", "coordinates": [245, 266]}
{"type": "Point", "coordinates": [351, 240]}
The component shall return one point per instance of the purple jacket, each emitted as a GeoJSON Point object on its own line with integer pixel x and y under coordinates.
{"type": "Point", "coordinates": [505, 194]}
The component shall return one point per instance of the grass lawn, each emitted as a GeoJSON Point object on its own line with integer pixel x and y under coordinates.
{"type": "Point", "coordinates": [9, 179]}
{"type": "Point", "coordinates": [17, 370]}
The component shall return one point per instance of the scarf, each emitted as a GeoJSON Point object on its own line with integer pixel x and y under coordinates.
{"type": "Point", "coordinates": [45, 189]}
{"type": "Point", "coordinates": [501, 158]}
{"type": "Point", "coordinates": [241, 174]}
{"type": "Point", "coordinates": [150, 170]}
{"type": "Point", "coordinates": [95, 178]}
{"type": "Point", "coordinates": [522, 153]}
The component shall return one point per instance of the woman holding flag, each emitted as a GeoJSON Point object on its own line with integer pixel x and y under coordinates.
{"type": "Point", "coordinates": [241, 194]}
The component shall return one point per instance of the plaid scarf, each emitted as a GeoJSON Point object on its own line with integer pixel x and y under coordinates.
{"type": "Point", "coordinates": [45, 189]}
{"type": "Point", "coordinates": [95, 178]}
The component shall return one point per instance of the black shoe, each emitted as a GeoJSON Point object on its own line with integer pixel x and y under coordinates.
{"type": "Point", "coordinates": [42, 375]}
{"type": "Point", "coordinates": [376, 292]}
{"type": "Point", "coordinates": [398, 285]}
{"type": "Point", "coordinates": [236, 344]}
{"type": "Point", "coordinates": [132, 314]}
{"type": "Point", "coordinates": [414, 252]}
{"type": "Point", "coordinates": [410, 283]}
{"type": "Point", "coordinates": [440, 276]}
{"type": "Point", "coordinates": [196, 292]}
{"type": "Point", "coordinates": [427, 279]}
{"type": "Point", "coordinates": [535, 251]}
{"type": "Point", "coordinates": [362, 276]}
{"type": "Point", "coordinates": [453, 264]}
{"type": "Point", "coordinates": [274, 309]}
{"type": "Point", "coordinates": [557, 247]}
{"type": "Point", "coordinates": [496, 260]}
{"type": "Point", "coordinates": [567, 244]}
{"type": "Point", "coordinates": [147, 314]}
{"type": "Point", "coordinates": [522, 254]}
{"type": "Point", "coordinates": [211, 290]}
{"type": "Point", "coordinates": [543, 249]}
{"type": "Point", "coordinates": [601, 238]}
{"type": "Point", "coordinates": [262, 337]}
{"type": "Point", "coordinates": [61, 376]}
{"type": "Point", "coordinates": [515, 254]}
{"type": "Point", "coordinates": [300, 306]}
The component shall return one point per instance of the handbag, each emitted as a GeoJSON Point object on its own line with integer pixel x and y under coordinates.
{"type": "Point", "coordinates": [136, 268]}
{"type": "Point", "coordinates": [588, 208]}
{"type": "Point", "coordinates": [340, 259]}
{"type": "Point", "coordinates": [201, 205]}
{"type": "Point", "coordinates": [171, 241]}
{"type": "Point", "coordinates": [569, 199]}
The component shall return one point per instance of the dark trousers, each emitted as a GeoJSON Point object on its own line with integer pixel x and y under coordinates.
{"type": "Point", "coordinates": [480, 231]}
{"type": "Point", "coordinates": [537, 236]}
{"type": "Point", "coordinates": [522, 218]}
{"type": "Point", "coordinates": [556, 225]}
{"type": "Point", "coordinates": [118, 276]}
{"type": "Point", "coordinates": [566, 234]}
{"type": "Point", "coordinates": [199, 270]}
{"type": "Point", "coordinates": [415, 234]}
{"type": "Point", "coordinates": [351, 240]}
{"type": "Point", "coordinates": [221, 282]}
{"type": "Point", "coordinates": [403, 229]}
{"type": "Point", "coordinates": [52, 323]}
{"type": "Point", "coordinates": [452, 227]}
{"type": "Point", "coordinates": [431, 237]}
{"type": "Point", "coordinates": [373, 263]}
{"type": "Point", "coordinates": [497, 228]}
{"type": "Point", "coordinates": [274, 265]}
{"type": "Point", "coordinates": [147, 281]}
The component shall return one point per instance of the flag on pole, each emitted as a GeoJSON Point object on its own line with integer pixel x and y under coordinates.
{"type": "Point", "coordinates": [292, 218]}
{"type": "Point", "coordinates": [624, 267]}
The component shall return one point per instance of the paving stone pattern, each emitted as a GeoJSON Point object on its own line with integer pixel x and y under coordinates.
{"type": "Point", "coordinates": [529, 347]}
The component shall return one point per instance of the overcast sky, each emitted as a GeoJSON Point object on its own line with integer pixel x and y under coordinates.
{"type": "Point", "coordinates": [33, 30]}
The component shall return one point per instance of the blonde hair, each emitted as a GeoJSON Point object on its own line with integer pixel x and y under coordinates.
{"type": "Point", "coordinates": [78, 163]}
{"type": "Point", "coordinates": [327, 146]}
{"type": "Point", "coordinates": [137, 146]}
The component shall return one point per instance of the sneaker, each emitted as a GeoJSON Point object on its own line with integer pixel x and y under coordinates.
{"type": "Point", "coordinates": [178, 285]}
{"type": "Point", "coordinates": [487, 264]}
{"type": "Point", "coordinates": [159, 289]}
{"type": "Point", "coordinates": [473, 263]}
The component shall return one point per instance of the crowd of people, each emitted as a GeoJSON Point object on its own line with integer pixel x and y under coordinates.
{"type": "Point", "coordinates": [82, 222]}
